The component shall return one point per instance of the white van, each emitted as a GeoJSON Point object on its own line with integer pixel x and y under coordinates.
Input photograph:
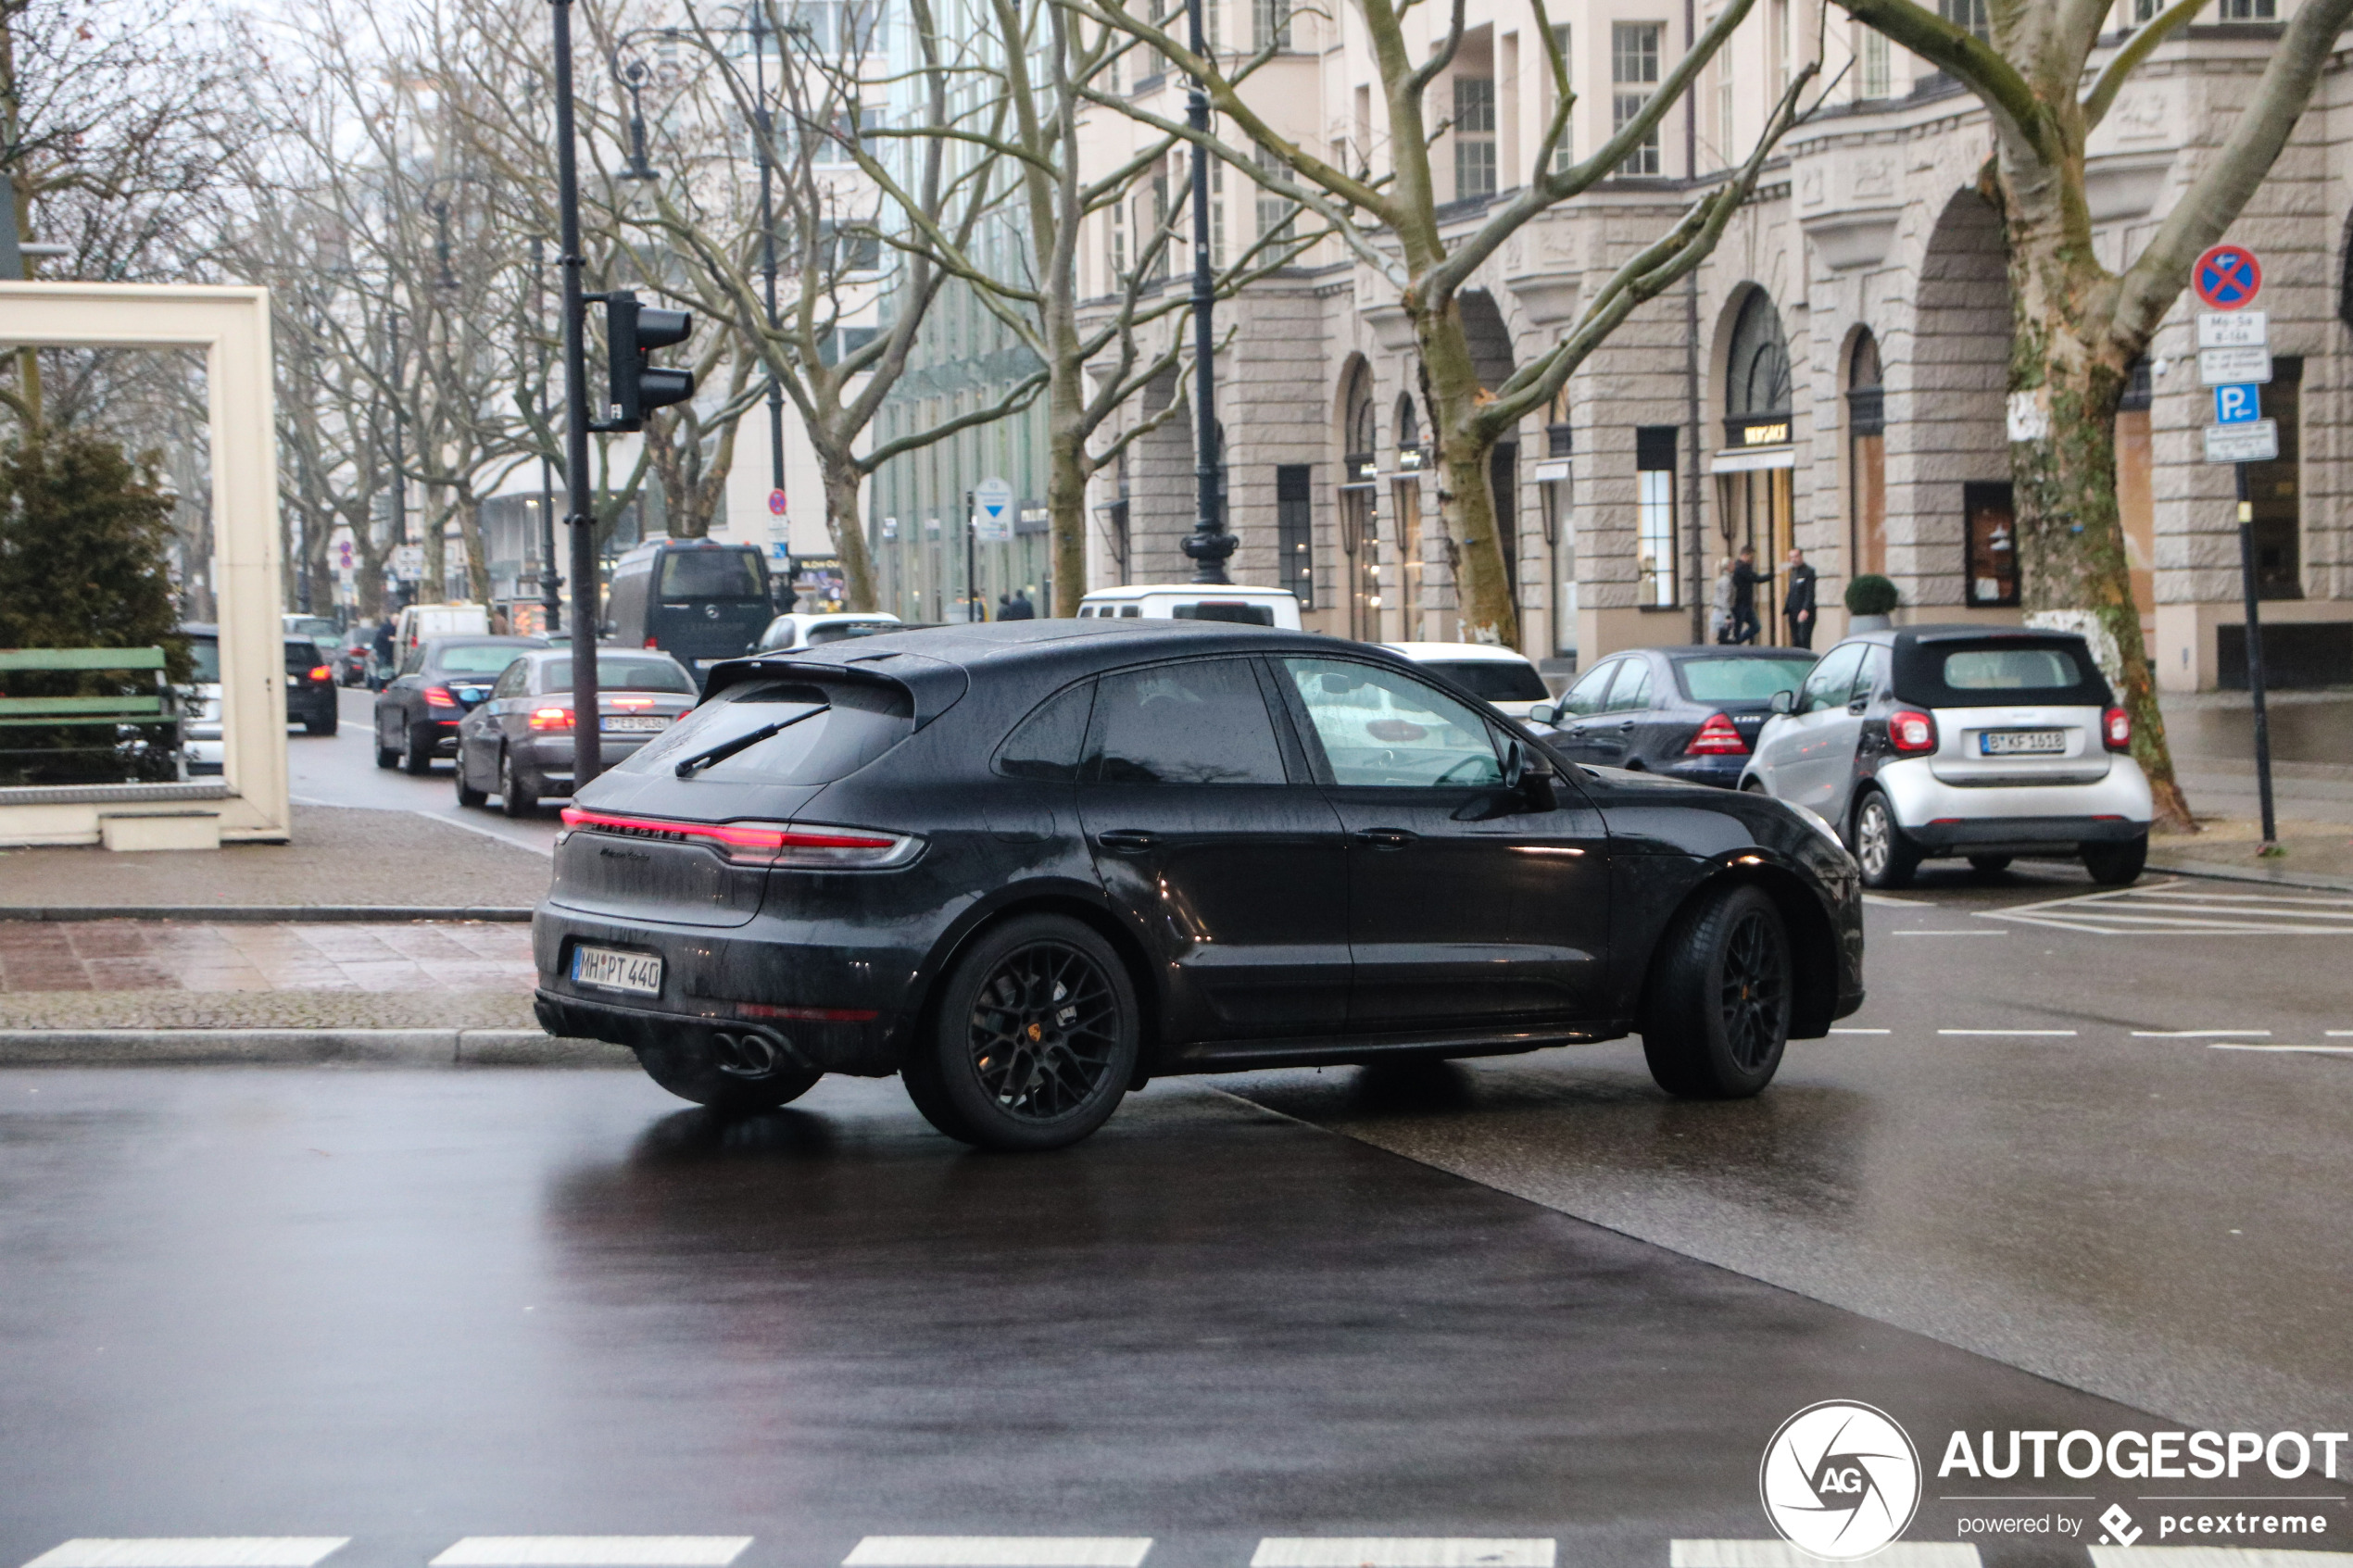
{"type": "Point", "coordinates": [1193, 601]}
{"type": "Point", "coordinates": [419, 622]}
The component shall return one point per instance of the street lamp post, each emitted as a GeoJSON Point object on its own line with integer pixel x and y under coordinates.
{"type": "Point", "coordinates": [551, 584]}
{"type": "Point", "coordinates": [587, 749]}
{"type": "Point", "coordinates": [1209, 543]}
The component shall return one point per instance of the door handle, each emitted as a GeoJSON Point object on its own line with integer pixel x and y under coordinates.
{"type": "Point", "coordinates": [1127, 841]}
{"type": "Point", "coordinates": [1384, 838]}
{"type": "Point", "coordinates": [1625, 725]}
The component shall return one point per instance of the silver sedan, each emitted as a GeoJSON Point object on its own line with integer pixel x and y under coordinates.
{"type": "Point", "coordinates": [517, 743]}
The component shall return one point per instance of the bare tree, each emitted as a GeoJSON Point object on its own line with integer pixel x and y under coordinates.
{"type": "Point", "coordinates": [1407, 243]}
{"type": "Point", "coordinates": [2076, 326]}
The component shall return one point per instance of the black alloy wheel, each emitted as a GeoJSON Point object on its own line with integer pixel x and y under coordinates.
{"type": "Point", "coordinates": [513, 798]}
{"type": "Point", "coordinates": [1716, 1012]}
{"type": "Point", "coordinates": [416, 748]}
{"type": "Point", "coordinates": [1033, 1041]}
{"type": "Point", "coordinates": [467, 794]}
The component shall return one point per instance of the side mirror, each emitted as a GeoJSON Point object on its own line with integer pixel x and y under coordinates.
{"type": "Point", "coordinates": [1515, 765]}
{"type": "Point", "coordinates": [1545, 713]}
{"type": "Point", "coordinates": [1784, 702]}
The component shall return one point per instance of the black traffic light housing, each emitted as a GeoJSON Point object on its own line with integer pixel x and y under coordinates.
{"type": "Point", "coordinates": [632, 332]}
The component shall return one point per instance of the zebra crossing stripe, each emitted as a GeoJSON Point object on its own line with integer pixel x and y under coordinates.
{"type": "Point", "coordinates": [1781, 1554]}
{"type": "Point", "coordinates": [2213, 1557]}
{"type": "Point", "coordinates": [1401, 1551]}
{"type": "Point", "coordinates": [593, 1551]}
{"type": "Point", "coordinates": [192, 1551]}
{"type": "Point", "coordinates": [998, 1551]}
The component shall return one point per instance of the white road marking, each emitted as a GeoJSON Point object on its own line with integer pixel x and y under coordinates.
{"type": "Point", "coordinates": [192, 1552]}
{"type": "Point", "coordinates": [2214, 1557]}
{"type": "Point", "coordinates": [1401, 1551]}
{"type": "Point", "coordinates": [2197, 1034]}
{"type": "Point", "coordinates": [998, 1551]}
{"type": "Point", "coordinates": [1781, 1554]}
{"type": "Point", "coordinates": [1862, 1031]}
{"type": "Point", "coordinates": [2172, 907]}
{"type": "Point", "coordinates": [593, 1551]}
{"type": "Point", "coordinates": [1899, 903]}
{"type": "Point", "coordinates": [2300, 1051]}
{"type": "Point", "coordinates": [1948, 933]}
{"type": "Point", "coordinates": [2015, 1033]}
{"type": "Point", "coordinates": [2338, 1033]}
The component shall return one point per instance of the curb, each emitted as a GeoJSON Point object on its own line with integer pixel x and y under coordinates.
{"type": "Point", "coordinates": [2309, 881]}
{"type": "Point", "coordinates": [271, 914]}
{"type": "Point", "coordinates": [304, 1048]}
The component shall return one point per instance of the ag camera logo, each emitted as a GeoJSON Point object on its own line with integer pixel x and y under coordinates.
{"type": "Point", "coordinates": [1840, 1480]}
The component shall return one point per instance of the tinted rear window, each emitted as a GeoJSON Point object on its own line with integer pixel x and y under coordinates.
{"type": "Point", "coordinates": [205, 654]}
{"type": "Point", "coordinates": [1220, 610]}
{"type": "Point", "coordinates": [475, 658]}
{"type": "Point", "coordinates": [2057, 672]}
{"type": "Point", "coordinates": [860, 721]}
{"type": "Point", "coordinates": [1740, 680]}
{"type": "Point", "coordinates": [620, 672]}
{"type": "Point", "coordinates": [1497, 680]}
{"type": "Point", "coordinates": [710, 574]}
{"type": "Point", "coordinates": [304, 656]}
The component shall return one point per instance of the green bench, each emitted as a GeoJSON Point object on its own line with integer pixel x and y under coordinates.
{"type": "Point", "coordinates": [47, 713]}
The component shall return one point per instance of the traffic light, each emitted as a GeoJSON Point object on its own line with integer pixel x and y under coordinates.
{"type": "Point", "coordinates": [632, 333]}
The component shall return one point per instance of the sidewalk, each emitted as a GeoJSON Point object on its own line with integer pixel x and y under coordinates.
{"type": "Point", "coordinates": [340, 856]}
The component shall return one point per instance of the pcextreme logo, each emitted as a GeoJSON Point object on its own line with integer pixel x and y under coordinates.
{"type": "Point", "coordinates": [1840, 1480]}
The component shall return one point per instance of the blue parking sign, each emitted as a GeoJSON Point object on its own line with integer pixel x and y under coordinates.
{"type": "Point", "coordinates": [2237, 405]}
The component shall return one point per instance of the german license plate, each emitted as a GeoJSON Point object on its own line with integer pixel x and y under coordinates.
{"type": "Point", "coordinates": [613, 969]}
{"type": "Point", "coordinates": [629, 722]}
{"type": "Point", "coordinates": [2021, 742]}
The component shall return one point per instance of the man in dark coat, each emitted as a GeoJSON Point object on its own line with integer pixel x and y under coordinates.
{"type": "Point", "coordinates": [1797, 602]}
{"type": "Point", "coordinates": [1018, 608]}
{"type": "Point", "coordinates": [1745, 577]}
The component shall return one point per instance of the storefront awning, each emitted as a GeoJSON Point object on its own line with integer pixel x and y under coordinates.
{"type": "Point", "coordinates": [1744, 458]}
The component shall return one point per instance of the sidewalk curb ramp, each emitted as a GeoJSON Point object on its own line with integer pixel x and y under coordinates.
{"type": "Point", "coordinates": [270, 913]}
{"type": "Point", "coordinates": [304, 1048]}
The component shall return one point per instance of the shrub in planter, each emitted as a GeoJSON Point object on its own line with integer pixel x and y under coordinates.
{"type": "Point", "coordinates": [1870, 595]}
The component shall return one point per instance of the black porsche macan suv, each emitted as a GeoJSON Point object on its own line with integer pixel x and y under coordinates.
{"type": "Point", "coordinates": [1027, 866]}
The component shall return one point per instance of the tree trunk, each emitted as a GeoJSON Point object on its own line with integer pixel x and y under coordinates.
{"type": "Point", "coordinates": [841, 478]}
{"type": "Point", "coordinates": [1466, 497]}
{"type": "Point", "coordinates": [2067, 375]}
{"type": "Point", "coordinates": [1066, 493]}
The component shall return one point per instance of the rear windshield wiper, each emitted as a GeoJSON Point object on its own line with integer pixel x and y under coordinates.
{"type": "Point", "coordinates": [727, 748]}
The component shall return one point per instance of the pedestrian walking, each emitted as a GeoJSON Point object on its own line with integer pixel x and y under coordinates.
{"type": "Point", "coordinates": [1018, 608]}
{"type": "Point", "coordinates": [1745, 577]}
{"type": "Point", "coordinates": [1797, 599]}
{"type": "Point", "coordinates": [1719, 613]}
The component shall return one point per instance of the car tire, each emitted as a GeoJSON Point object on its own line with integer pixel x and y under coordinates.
{"type": "Point", "coordinates": [515, 798]}
{"type": "Point", "coordinates": [734, 1074]}
{"type": "Point", "coordinates": [1032, 1038]}
{"type": "Point", "coordinates": [1989, 864]}
{"type": "Point", "coordinates": [467, 795]}
{"type": "Point", "coordinates": [1716, 1012]}
{"type": "Point", "coordinates": [1752, 786]}
{"type": "Point", "coordinates": [416, 749]}
{"type": "Point", "coordinates": [321, 726]}
{"type": "Point", "coordinates": [1887, 858]}
{"type": "Point", "coordinates": [2117, 865]}
{"type": "Point", "coordinates": [386, 757]}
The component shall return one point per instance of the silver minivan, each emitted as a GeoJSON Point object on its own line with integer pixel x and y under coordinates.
{"type": "Point", "coordinates": [1987, 743]}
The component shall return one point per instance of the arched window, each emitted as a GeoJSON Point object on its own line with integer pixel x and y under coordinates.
{"type": "Point", "coordinates": [1756, 390]}
{"type": "Point", "coordinates": [1866, 457]}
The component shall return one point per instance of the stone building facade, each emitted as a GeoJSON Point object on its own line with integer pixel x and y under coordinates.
{"type": "Point", "coordinates": [1832, 379]}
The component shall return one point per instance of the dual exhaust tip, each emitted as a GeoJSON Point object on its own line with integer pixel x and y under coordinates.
{"type": "Point", "coordinates": [753, 1053]}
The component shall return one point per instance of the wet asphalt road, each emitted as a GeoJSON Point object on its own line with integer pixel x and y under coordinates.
{"type": "Point", "coordinates": [406, 1308]}
{"type": "Point", "coordinates": [340, 770]}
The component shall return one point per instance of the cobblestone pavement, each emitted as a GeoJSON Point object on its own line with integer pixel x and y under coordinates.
{"type": "Point", "coordinates": [152, 956]}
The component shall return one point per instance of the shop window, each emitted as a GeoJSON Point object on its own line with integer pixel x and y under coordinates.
{"type": "Point", "coordinates": [1990, 541]}
{"type": "Point", "coordinates": [1866, 457]}
{"type": "Point", "coordinates": [1294, 532]}
{"type": "Point", "coordinates": [2135, 495]}
{"type": "Point", "coordinates": [1656, 546]}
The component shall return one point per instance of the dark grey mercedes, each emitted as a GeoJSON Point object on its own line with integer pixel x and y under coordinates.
{"type": "Point", "coordinates": [1029, 866]}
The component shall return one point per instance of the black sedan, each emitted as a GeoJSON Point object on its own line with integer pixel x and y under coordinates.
{"type": "Point", "coordinates": [517, 744]}
{"type": "Point", "coordinates": [418, 710]}
{"type": "Point", "coordinates": [1687, 712]}
{"type": "Point", "coordinates": [1029, 865]}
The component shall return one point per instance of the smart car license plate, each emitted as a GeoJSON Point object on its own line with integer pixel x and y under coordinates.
{"type": "Point", "coordinates": [615, 970]}
{"type": "Point", "coordinates": [2021, 742]}
{"type": "Point", "coordinates": [627, 721]}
